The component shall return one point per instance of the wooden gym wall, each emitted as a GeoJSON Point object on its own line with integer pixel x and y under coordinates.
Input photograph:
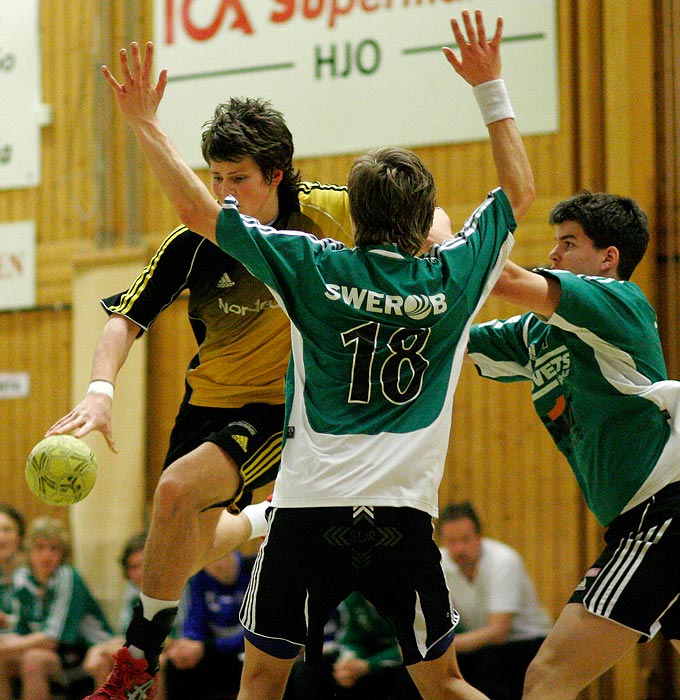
{"type": "Point", "coordinates": [97, 195]}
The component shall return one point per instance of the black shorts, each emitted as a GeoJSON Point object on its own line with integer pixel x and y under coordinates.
{"type": "Point", "coordinates": [636, 579]}
{"type": "Point", "coordinates": [313, 558]}
{"type": "Point", "coordinates": [251, 435]}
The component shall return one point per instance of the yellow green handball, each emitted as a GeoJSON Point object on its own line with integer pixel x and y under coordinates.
{"type": "Point", "coordinates": [61, 470]}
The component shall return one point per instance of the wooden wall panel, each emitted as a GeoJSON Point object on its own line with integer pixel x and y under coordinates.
{"type": "Point", "coordinates": [39, 343]}
{"type": "Point", "coordinates": [668, 173]}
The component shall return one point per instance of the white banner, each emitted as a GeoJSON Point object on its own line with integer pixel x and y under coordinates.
{"type": "Point", "coordinates": [22, 113]}
{"type": "Point", "coordinates": [348, 74]}
{"type": "Point", "coordinates": [17, 265]}
{"type": "Point", "coordinates": [15, 385]}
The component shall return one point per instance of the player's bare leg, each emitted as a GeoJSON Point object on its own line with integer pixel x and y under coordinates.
{"type": "Point", "coordinates": [580, 648]}
{"type": "Point", "coordinates": [232, 531]}
{"type": "Point", "coordinates": [180, 540]}
{"type": "Point", "coordinates": [182, 532]}
{"type": "Point", "coordinates": [441, 679]}
{"type": "Point", "coordinates": [263, 676]}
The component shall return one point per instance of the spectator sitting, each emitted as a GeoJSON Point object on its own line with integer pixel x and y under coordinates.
{"type": "Point", "coordinates": [11, 556]}
{"type": "Point", "coordinates": [362, 663]}
{"type": "Point", "coordinates": [369, 664]}
{"type": "Point", "coordinates": [206, 661]}
{"type": "Point", "coordinates": [99, 658]}
{"type": "Point", "coordinates": [502, 620]}
{"type": "Point", "coordinates": [58, 616]}
{"type": "Point", "coordinates": [311, 681]}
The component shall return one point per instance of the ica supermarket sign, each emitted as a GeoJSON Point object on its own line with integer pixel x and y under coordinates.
{"type": "Point", "coordinates": [348, 74]}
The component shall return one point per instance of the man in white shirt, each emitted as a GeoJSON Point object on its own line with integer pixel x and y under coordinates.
{"type": "Point", "coordinates": [502, 620]}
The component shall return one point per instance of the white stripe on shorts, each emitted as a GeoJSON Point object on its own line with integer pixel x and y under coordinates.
{"type": "Point", "coordinates": [248, 606]}
{"type": "Point", "coordinates": [612, 581]}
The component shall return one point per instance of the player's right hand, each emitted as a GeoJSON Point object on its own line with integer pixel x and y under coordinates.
{"type": "Point", "coordinates": [92, 413]}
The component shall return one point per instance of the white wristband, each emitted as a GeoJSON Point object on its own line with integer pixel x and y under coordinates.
{"type": "Point", "coordinates": [494, 103]}
{"type": "Point", "coordinates": [101, 386]}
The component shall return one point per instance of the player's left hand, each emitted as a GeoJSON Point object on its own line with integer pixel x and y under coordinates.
{"type": "Point", "coordinates": [480, 59]}
{"type": "Point", "coordinates": [137, 98]}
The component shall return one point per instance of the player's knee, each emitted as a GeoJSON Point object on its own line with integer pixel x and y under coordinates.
{"type": "Point", "coordinates": [173, 492]}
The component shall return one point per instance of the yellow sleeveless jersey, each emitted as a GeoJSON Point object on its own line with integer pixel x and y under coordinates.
{"type": "Point", "coordinates": [243, 336]}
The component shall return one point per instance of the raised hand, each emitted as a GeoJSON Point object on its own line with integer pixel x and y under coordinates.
{"type": "Point", "coordinates": [480, 59]}
{"type": "Point", "coordinates": [137, 98]}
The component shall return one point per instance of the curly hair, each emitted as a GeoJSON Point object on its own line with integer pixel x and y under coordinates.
{"type": "Point", "coordinates": [251, 127]}
{"type": "Point", "coordinates": [14, 515]}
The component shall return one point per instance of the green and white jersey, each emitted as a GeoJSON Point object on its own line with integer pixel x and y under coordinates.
{"type": "Point", "coordinates": [599, 386]}
{"type": "Point", "coordinates": [63, 608]}
{"type": "Point", "coordinates": [378, 338]}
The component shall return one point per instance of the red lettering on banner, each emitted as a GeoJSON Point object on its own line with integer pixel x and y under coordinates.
{"type": "Point", "coordinates": [286, 13]}
{"type": "Point", "coordinates": [311, 12]}
{"type": "Point", "coordinates": [332, 10]}
{"type": "Point", "coordinates": [204, 33]}
{"type": "Point", "coordinates": [169, 22]}
{"type": "Point", "coordinates": [241, 20]}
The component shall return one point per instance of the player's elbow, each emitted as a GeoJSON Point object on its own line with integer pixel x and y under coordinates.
{"type": "Point", "coordinates": [523, 198]}
{"type": "Point", "coordinates": [199, 218]}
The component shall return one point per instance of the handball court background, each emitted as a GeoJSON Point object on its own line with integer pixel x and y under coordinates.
{"type": "Point", "coordinates": [99, 215]}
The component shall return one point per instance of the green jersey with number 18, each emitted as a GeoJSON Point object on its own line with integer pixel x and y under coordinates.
{"type": "Point", "coordinates": [378, 339]}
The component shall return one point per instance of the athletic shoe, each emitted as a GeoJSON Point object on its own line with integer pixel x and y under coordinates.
{"type": "Point", "coordinates": [129, 680]}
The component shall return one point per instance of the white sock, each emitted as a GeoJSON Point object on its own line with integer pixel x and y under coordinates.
{"type": "Point", "coordinates": [151, 606]}
{"type": "Point", "coordinates": [256, 515]}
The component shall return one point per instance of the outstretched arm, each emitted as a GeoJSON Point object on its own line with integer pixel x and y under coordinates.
{"type": "Point", "coordinates": [94, 411]}
{"type": "Point", "coordinates": [138, 101]}
{"type": "Point", "coordinates": [480, 64]}
{"type": "Point", "coordinates": [531, 291]}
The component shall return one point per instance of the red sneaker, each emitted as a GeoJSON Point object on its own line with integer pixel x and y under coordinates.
{"type": "Point", "coordinates": [129, 680]}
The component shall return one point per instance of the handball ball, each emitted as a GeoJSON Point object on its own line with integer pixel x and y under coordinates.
{"type": "Point", "coordinates": [61, 470]}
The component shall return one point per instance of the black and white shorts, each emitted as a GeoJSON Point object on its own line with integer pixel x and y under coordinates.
{"type": "Point", "coordinates": [252, 435]}
{"type": "Point", "coordinates": [313, 558]}
{"type": "Point", "coordinates": [636, 579]}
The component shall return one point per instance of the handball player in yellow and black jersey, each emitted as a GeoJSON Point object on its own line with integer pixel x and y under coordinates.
{"type": "Point", "coordinates": [226, 440]}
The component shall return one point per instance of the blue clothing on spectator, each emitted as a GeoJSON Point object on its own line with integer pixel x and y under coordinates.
{"type": "Point", "coordinates": [212, 613]}
{"type": "Point", "coordinates": [211, 617]}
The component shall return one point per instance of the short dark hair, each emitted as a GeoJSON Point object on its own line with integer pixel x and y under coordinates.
{"type": "Point", "coordinates": [460, 511]}
{"type": "Point", "coordinates": [16, 516]}
{"type": "Point", "coordinates": [251, 127]}
{"type": "Point", "coordinates": [134, 544]}
{"type": "Point", "coordinates": [391, 199]}
{"type": "Point", "coordinates": [608, 219]}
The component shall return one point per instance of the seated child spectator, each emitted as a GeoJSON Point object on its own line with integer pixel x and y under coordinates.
{"type": "Point", "coordinates": [11, 556]}
{"type": "Point", "coordinates": [369, 665]}
{"type": "Point", "coordinates": [206, 661]}
{"type": "Point", "coordinates": [364, 662]}
{"type": "Point", "coordinates": [58, 616]}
